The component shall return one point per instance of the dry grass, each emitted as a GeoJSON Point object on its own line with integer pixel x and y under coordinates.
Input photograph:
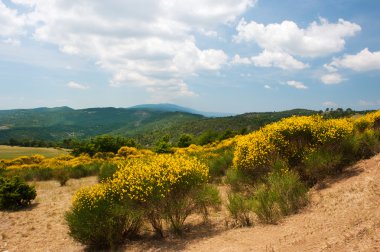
{"type": "Point", "coordinates": [342, 216]}
{"type": "Point", "coordinates": [10, 152]}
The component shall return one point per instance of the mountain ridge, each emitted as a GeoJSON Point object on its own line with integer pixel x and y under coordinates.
{"type": "Point", "coordinates": [147, 123]}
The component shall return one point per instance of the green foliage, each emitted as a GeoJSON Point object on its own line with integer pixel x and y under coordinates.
{"type": "Point", "coordinates": [185, 140]}
{"type": "Point", "coordinates": [42, 173]}
{"type": "Point", "coordinates": [219, 165]}
{"type": "Point", "coordinates": [206, 197]}
{"type": "Point", "coordinates": [15, 194]}
{"type": "Point", "coordinates": [107, 169]}
{"type": "Point", "coordinates": [240, 209]}
{"type": "Point", "coordinates": [265, 205]}
{"type": "Point", "coordinates": [207, 137]}
{"type": "Point", "coordinates": [105, 143]}
{"type": "Point", "coordinates": [281, 195]}
{"type": "Point", "coordinates": [62, 176]}
{"type": "Point", "coordinates": [186, 202]}
{"type": "Point", "coordinates": [163, 145]}
{"type": "Point", "coordinates": [366, 144]}
{"type": "Point", "coordinates": [321, 163]}
{"type": "Point", "coordinates": [105, 223]}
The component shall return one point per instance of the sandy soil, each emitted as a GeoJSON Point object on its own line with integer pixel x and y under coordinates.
{"type": "Point", "coordinates": [344, 215]}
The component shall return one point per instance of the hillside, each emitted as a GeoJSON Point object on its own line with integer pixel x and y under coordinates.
{"type": "Point", "coordinates": [146, 123]}
{"type": "Point", "coordinates": [343, 215]}
{"type": "Point", "coordinates": [55, 124]}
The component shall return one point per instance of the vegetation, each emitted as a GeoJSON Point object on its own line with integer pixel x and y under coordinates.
{"type": "Point", "coordinates": [268, 171]}
{"type": "Point", "coordinates": [15, 194]}
{"type": "Point", "coordinates": [8, 152]}
{"type": "Point", "coordinates": [103, 144]}
{"type": "Point", "coordinates": [143, 189]}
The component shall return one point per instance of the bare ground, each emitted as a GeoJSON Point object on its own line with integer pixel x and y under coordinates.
{"type": "Point", "coordinates": [344, 215]}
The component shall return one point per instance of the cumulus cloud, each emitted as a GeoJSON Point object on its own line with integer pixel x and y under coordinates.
{"type": "Point", "coordinates": [147, 43]}
{"type": "Point", "coordinates": [331, 78]}
{"type": "Point", "coordinates": [296, 84]}
{"type": "Point", "coordinates": [318, 39]}
{"type": "Point", "coordinates": [12, 24]}
{"type": "Point", "coordinates": [277, 59]}
{"type": "Point", "coordinates": [75, 85]}
{"type": "Point", "coordinates": [362, 61]}
{"type": "Point", "coordinates": [270, 59]}
{"type": "Point", "coordinates": [237, 60]}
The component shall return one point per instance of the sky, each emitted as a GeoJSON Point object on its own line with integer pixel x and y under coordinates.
{"type": "Point", "coordinates": [230, 56]}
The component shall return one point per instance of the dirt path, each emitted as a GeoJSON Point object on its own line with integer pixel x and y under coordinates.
{"type": "Point", "coordinates": [343, 216]}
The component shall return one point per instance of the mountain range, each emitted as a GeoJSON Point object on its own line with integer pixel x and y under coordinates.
{"type": "Point", "coordinates": [146, 123]}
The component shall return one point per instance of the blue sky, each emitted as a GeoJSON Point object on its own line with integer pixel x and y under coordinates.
{"type": "Point", "coordinates": [213, 55]}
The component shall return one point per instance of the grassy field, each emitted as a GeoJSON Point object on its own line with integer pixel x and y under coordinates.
{"type": "Point", "coordinates": [10, 152]}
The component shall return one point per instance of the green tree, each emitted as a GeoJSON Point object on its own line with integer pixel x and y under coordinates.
{"type": "Point", "coordinates": [185, 140]}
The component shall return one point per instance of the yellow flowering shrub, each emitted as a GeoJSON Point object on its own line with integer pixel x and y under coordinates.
{"type": "Point", "coordinates": [291, 138]}
{"type": "Point", "coordinates": [368, 121]}
{"type": "Point", "coordinates": [155, 177]}
{"type": "Point", "coordinates": [100, 219]}
{"type": "Point", "coordinates": [155, 187]}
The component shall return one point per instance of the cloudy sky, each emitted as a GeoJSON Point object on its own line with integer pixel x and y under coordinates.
{"type": "Point", "coordinates": [212, 55]}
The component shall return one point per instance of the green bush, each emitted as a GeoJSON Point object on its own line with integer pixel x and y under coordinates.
{"type": "Point", "coordinates": [281, 195]}
{"type": "Point", "coordinates": [240, 208]}
{"type": "Point", "coordinates": [321, 163]}
{"type": "Point", "coordinates": [265, 205]}
{"type": "Point", "coordinates": [181, 203]}
{"type": "Point", "coordinates": [205, 197]}
{"type": "Point", "coordinates": [15, 194]}
{"type": "Point", "coordinates": [61, 175]}
{"type": "Point", "coordinates": [239, 180]}
{"type": "Point", "coordinates": [106, 171]}
{"type": "Point", "coordinates": [219, 165]}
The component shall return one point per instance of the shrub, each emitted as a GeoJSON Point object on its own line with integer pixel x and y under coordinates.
{"type": "Point", "coordinates": [321, 163]}
{"type": "Point", "coordinates": [219, 165]}
{"type": "Point", "coordinates": [155, 181]}
{"type": "Point", "coordinates": [187, 202]}
{"type": "Point", "coordinates": [15, 194]}
{"type": "Point", "coordinates": [291, 139]}
{"type": "Point", "coordinates": [185, 140]}
{"type": "Point", "coordinates": [99, 219]}
{"type": "Point", "coordinates": [240, 208]}
{"type": "Point", "coordinates": [265, 205]}
{"type": "Point", "coordinates": [106, 171]}
{"type": "Point", "coordinates": [281, 195]}
{"type": "Point", "coordinates": [62, 175]}
{"type": "Point", "coordinates": [205, 197]}
{"type": "Point", "coordinates": [126, 151]}
{"type": "Point", "coordinates": [157, 188]}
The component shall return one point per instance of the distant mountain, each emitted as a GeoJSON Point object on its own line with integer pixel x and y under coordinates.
{"type": "Point", "coordinates": [146, 123]}
{"type": "Point", "coordinates": [175, 108]}
{"type": "Point", "coordinates": [63, 122]}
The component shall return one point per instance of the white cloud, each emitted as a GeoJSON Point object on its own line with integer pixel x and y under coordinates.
{"type": "Point", "coordinates": [75, 85]}
{"type": "Point", "coordinates": [267, 87]}
{"type": "Point", "coordinates": [11, 24]}
{"type": "Point", "coordinates": [270, 59]}
{"type": "Point", "coordinates": [331, 78]}
{"type": "Point", "coordinates": [237, 60]}
{"type": "Point", "coordinates": [316, 40]}
{"type": "Point", "coordinates": [329, 104]}
{"type": "Point", "coordinates": [145, 43]}
{"type": "Point", "coordinates": [296, 84]}
{"type": "Point", "coordinates": [277, 59]}
{"type": "Point", "coordinates": [362, 61]}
